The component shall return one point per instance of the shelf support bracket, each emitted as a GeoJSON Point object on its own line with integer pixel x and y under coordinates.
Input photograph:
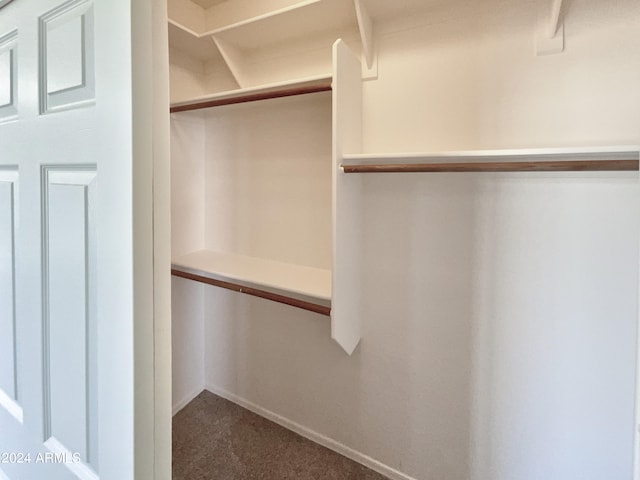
{"type": "Point", "coordinates": [231, 56]}
{"type": "Point", "coordinates": [550, 37]}
{"type": "Point", "coordinates": [369, 52]}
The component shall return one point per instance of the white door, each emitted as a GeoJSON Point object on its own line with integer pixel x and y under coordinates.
{"type": "Point", "coordinates": [71, 221]}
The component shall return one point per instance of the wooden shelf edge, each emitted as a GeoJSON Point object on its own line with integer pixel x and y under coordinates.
{"type": "Point", "coordinates": [519, 166]}
{"type": "Point", "coordinates": [274, 297]}
{"type": "Point", "coordinates": [609, 152]}
{"type": "Point", "coordinates": [304, 87]}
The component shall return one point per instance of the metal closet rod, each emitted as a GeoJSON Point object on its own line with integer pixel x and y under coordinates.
{"type": "Point", "coordinates": [517, 166]}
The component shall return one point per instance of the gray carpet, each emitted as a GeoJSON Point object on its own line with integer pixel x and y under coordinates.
{"type": "Point", "coordinates": [214, 439]}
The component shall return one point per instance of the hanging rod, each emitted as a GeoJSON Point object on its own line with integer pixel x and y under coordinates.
{"type": "Point", "coordinates": [245, 97]}
{"type": "Point", "coordinates": [519, 166]}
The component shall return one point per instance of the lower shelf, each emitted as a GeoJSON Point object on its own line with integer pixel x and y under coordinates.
{"type": "Point", "coordinates": [299, 286]}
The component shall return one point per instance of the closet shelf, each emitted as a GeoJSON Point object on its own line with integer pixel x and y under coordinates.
{"type": "Point", "coordinates": [521, 166]}
{"type": "Point", "coordinates": [299, 286]}
{"type": "Point", "coordinates": [302, 86]}
{"type": "Point", "coordinates": [301, 20]}
{"type": "Point", "coordinates": [616, 158]}
{"type": "Point", "coordinates": [250, 51]}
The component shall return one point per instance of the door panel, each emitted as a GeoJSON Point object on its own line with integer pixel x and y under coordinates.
{"type": "Point", "coordinates": [8, 361]}
{"type": "Point", "coordinates": [67, 263]}
{"type": "Point", "coordinates": [70, 349]}
{"type": "Point", "coordinates": [66, 56]}
{"type": "Point", "coordinates": [8, 75]}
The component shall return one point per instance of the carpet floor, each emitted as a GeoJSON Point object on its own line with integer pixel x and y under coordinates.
{"type": "Point", "coordinates": [214, 439]}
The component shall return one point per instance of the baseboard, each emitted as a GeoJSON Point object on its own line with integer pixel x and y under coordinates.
{"type": "Point", "coordinates": [316, 437]}
{"type": "Point", "coordinates": [185, 401]}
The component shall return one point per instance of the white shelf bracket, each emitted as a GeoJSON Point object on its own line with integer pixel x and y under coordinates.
{"type": "Point", "coordinates": [232, 57]}
{"type": "Point", "coordinates": [550, 36]}
{"type": "Point", "coordinates": [369, 52]}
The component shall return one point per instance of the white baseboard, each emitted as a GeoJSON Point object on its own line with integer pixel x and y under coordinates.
{"type": "Point", "coordinates": [316, 437]}
{"type": "Point", "coordinates": [184, 401]}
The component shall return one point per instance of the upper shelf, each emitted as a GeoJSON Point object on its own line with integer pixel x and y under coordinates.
{"type": "Point", "coordinates": [321, 83]}
{"type": "Point", "coordinates": [302, 20]}
{"type": "Point", "coordinates": [614, 152]}
{"type": "Point", "coordinates": [613, 158]}
{"type": "Point", "coordinates": [213, 17]}
{"type": "Point", "coordinates": [237, 41]}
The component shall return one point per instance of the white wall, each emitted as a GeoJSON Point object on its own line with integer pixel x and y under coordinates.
{"type": "Point", "coordinates": [268, 180]}
{"type": "Point", "coordinates": [187, 235]}
{"type": "Point", "coordinates": [187, 182]}
{"type": "Point", "coordinates": [502, 317]}
{"type": "Point", "coordinates": [187, 334]}
{"type": "Point", "coordinates": [513, 299]}
{"type": "Point", "coordinates": [476, 83]}
{"type": "Point", "coordinates": [500, 309]}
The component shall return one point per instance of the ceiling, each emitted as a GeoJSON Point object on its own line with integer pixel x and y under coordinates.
{"type": "Point", "coordinates": [207, 3]}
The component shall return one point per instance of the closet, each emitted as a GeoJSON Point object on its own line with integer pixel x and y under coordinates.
{"type": "Point", "coordinates": [343, 177]}
{"type": "Point", "coordinates": [272, 228]}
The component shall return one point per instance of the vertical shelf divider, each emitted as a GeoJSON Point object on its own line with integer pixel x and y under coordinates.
{"type": "Point", "coordinates": [346, 302]}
